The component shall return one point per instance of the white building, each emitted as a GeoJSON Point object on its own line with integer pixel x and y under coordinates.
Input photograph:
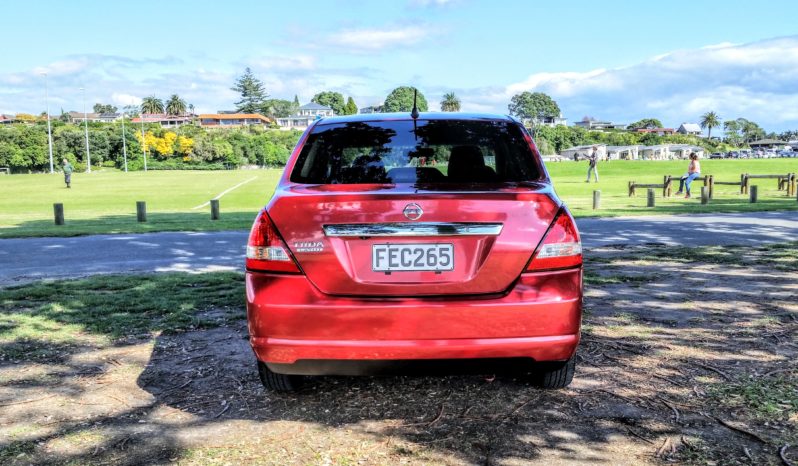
{"type": "Point", "coordinates": [691, 129]}
{"type": "Point", "coordinates": [306, 115]}
{"type": "Point", "coordinates": [669, 152]}
{"type": "Point", "coordinates": [623, 152]}
{"type": "Point", "coordinates": [599, 125]}
{"type": "Point", "coordinates": [583, 151]}
{"type": "Point", "coordinates": [546, 121]}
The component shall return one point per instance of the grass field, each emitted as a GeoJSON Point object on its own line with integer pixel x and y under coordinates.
{"type": "Point", "coordinates": [104, 202]}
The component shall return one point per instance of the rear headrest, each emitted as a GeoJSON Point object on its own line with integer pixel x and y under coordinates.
{"type": "Point", "coordinates": [465, 162]}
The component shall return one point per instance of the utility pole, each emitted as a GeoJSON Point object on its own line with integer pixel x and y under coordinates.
{"type": "Point", "coordinates": [124, 143]}
{"type": "Point", "coordinates": [86, 125]}
{"type": "Point", "coordinates": [49, 131]}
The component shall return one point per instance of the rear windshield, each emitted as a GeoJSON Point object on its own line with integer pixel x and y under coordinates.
{"type": "Point", "coordinates": [429, 152]}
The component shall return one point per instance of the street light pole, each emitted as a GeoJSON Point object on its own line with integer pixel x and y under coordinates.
{"type": "Point", "coordinates": [49, 131]}
{"type": "Point", "coordinates": [86, 125]}
{"type": "Point", "coordinates": [124, 143]}
{"type": "Point", "coordinates": [143, 141]}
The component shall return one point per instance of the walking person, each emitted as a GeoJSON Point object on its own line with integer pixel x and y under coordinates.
{"type": "Point", "coordinates": [693, 172]}
{"type": "Point", "coordinates": [593, 160]}
{"type": "Point", "coordinates": [68, 169]}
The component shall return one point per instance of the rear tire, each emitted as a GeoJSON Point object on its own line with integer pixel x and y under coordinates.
{"type": "Point", "coordinates": [555, 375]}
{"type": "Point", "coordinates": [278, 382]}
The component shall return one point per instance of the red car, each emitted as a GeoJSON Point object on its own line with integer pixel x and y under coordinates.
{"type": "Point", "coordinates": [392, 238]}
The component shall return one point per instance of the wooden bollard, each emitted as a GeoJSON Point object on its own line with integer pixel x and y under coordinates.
{"type": "Point", "coordinates": [667, 185]}
{"type": "Point", "coordinates": [58, 213]}
{"type": "Point", "coordinates": [711, 186]}
{"type": "Point", "coordinates": [141, 211]}
{"type": "Point", "coordinates": [753, 194]}
{"type": "Point", "coordinates": [214, 209]}
{"type": "Point", "coordinates": [704, 194]}
{"type": "Point", "coordinates": [745, 183]}
{"type": "Point", "coordinates": [631, 188]}
{"type": "Point", "coordinates": [596, 199]}
{"type": "Point", "coordinates": [651, 198]}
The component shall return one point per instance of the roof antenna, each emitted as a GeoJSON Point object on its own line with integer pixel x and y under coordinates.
{"type": "Point", "coordinates": [414, 113]}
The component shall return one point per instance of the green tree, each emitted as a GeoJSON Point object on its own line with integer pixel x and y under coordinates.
{"type": "Point", "coordinates": [750, 130]}
{"type": "Point", "coordinates": [278, 108]}
{"type": "Point", "coordinates": [175, 105]}
{"type": "Point", "coordinates": [533, 106]}
{"type": "Point", "coordinates": [151, 104]}
{"type": "Point", "coordinates": [252, 92]}
{"type": "Point", "coordinates": [450, 103]}
{"type": "Point", "coordinates": [710, 120]}
{"type": "Point", "coordinates": [351, 107]}
{"type": "Point", "coordinates": [648, 123]}
{"type": "Point", "coordinates": [296, 100]}
{"type": "Point", "coordinates": [401, 100]}
{"type": "Point", "coordinates": [104, 108]}
{"type": "Point", "coordinates": [731, 129]}
{"type": "Point", "coordinates": [334, 100]}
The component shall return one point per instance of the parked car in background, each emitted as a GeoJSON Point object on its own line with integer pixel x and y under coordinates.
{"type": "Point", "coordinates": [716, 155]}
{"type": "Point", "coordinates": [733, 154]}
{"type": "Point", "coordinates": [392, 239]}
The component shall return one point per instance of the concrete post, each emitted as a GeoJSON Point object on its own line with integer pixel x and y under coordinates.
{"type": "Point", "coordinates": [58, 213]}
{"type": "Point", "coordinates": [141, 211]}
{"type": "Point", "coordinates": [214, 209]}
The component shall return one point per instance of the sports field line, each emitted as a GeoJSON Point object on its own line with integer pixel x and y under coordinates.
{"type": "Point", "coordinates": [224, 192]}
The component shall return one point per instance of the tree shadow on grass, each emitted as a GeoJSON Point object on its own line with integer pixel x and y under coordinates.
{"type": "Point", "coordinates": [113, 224]}
{"type": "Point", "coordinates": [664, 326]}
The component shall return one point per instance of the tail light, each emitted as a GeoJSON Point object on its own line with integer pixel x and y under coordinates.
{"type": "Point", "coordinates": [266, 251]}
{"type": "Point", "coordinates": [560, 248]}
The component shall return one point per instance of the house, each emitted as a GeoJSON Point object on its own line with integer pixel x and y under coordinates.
{"type": "Point", "coordinates": [657, 131]}
{"type": "Point", "coordinates": [232, 120]}
{"type": "Point", "coordinates": [669, 151]}
{"type": "Point", "coordinates": [80, 117]}
{"type": "Point", "coordinates": [691, 129]}
{"type": "Point", "coordinates": [546, 121]}
{"type": "Point", "coordinates": [371, 109]}
{"type": "Point", "coordinates": [599, 125]}
{"type": "Point", "coordinates": [623, 152]}
{"type": "Point", "coordinates": [315, 110]}
{"type": "Point", "coordinates": [767, 144]}
{"type": "Point", "coordinates": [7, 119]}
{"type": "Point", "coordinates": [306, 115]}
{"type": "Point", "coordinates": [167, 121]}
{"type": "Point", "coordinates": [573, 153]}
{"type": "Point", "coordinates": [682, 151]}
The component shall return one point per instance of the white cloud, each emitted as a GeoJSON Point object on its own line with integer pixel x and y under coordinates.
{"type": "Point", "coordinates": [63, 67]}
{"type": "Point", "coordinates": [125, 99]}
{"type": "Point", "coordinates": [375, 39]}
{"type": "Point", "coordinates": [438, 3]}
{"type": "Point", "coordinates": [282, 63]}
{"type": "Point", "coordinates": [755, 80]}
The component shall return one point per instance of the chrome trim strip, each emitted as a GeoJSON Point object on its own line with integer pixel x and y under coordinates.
{"type": "Point", "coordinates": [413, 229]}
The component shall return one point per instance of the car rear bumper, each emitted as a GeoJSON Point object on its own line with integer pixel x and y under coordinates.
{"type": "Point", "coordinates": [291, 321]}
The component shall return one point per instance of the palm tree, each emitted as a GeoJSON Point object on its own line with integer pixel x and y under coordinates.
{"type": "Point", "coordinates": [175, 105]}
{"type": "Point", "coordinates": [450, 103]}
{"type": "Point", "coordinates": [151, 104]}
{"type": "Point", "coordinates": [710, 120]}
{"type": "Point", "coordinates": [191, 108]}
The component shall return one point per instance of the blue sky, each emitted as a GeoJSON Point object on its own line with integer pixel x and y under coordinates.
{"type": "Point", "coordinates": [611, 60]}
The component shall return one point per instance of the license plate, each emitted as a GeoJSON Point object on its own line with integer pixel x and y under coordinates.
{"type": "Point", "coordinates": [412, 257]}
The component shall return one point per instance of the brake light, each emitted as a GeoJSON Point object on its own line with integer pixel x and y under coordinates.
{"type": "Point", "coordinates": [560, 248]}
{"type": "Point", "coordinates": [266, 251]}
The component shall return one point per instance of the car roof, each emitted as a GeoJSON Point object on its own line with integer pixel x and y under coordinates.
{"type": "Point", "coordinates": [364, 117]}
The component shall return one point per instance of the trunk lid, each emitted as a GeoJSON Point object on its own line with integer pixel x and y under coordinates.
{"type": "Point", "coordinates": [491, 234]}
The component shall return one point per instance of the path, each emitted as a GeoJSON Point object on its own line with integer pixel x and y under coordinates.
{"type": "Point", "coordinates": [26, 259]}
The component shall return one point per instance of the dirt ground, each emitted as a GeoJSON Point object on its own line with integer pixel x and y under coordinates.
{"type": "Point", "coordinates": [688, 356]}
